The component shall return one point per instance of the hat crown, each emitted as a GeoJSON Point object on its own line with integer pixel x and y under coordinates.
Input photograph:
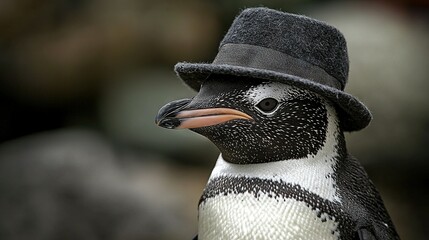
{"type": "Point", "coordinates": [298, 36]}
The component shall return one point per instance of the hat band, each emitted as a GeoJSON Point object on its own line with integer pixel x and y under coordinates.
{"type": "Point", "coordinates": [251, 56]}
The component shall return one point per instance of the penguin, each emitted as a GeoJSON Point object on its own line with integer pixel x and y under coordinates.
{"type": "Point", "coordinates": [284, 171]}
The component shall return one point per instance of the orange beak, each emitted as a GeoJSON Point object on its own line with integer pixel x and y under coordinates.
{"type": "Point", "coordinates": [209, 117]}
{"type": "Point", "coordinates": [174, 116]}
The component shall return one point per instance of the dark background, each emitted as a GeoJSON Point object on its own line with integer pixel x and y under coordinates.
{"type": "Point", "coordinates": [81, 82]}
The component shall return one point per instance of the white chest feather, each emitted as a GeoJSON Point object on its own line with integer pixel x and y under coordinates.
{"type": "Point", "coordinates": [244, 217]}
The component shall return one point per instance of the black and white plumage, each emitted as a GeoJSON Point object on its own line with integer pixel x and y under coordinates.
{"type": "Point", "coordinates": [284, 171]}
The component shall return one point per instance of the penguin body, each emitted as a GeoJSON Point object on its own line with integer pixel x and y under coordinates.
{"type": "Point", "coordinates": [264, 208]}
{"type": "Point", "coordinates": [284, 171]}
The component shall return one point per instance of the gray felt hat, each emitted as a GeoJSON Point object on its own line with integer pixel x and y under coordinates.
{"type": "Point", "coordinates": [299, 51]}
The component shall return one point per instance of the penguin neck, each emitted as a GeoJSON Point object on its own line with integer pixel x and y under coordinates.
{"type": "Point", "coordinates": [335, 143]}
{"type": "Point", "coordinates": [315, 173]}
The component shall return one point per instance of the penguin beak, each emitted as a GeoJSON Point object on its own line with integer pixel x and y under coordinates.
{"type": "Point", "coordinates": [174, 115]}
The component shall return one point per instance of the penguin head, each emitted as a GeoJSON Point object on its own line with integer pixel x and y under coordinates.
{"type": "Point", "coordinates": [252, 120]}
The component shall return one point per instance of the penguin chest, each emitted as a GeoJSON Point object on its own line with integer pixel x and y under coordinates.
{"type": "Point", "coordinates": [254, 214]}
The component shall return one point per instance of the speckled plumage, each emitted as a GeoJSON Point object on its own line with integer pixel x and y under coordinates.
{"type": "Point", "coordinates": [295, 133]}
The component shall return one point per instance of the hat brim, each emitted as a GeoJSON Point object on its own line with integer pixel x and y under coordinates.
{"type": "Point", "coordinates": [353, 114]}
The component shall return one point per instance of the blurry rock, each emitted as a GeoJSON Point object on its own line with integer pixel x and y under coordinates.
{"type": "Point", "coordinates": [71, 185]}
{"type": "Point", "coordinates": [62, 50]}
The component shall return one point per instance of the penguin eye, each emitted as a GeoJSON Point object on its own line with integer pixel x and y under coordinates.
{"type": "Point", "coordinates": [267, 105]}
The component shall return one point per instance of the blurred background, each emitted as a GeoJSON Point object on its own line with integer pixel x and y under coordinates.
{"type": "Point", "coordinates": [82, 80]}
